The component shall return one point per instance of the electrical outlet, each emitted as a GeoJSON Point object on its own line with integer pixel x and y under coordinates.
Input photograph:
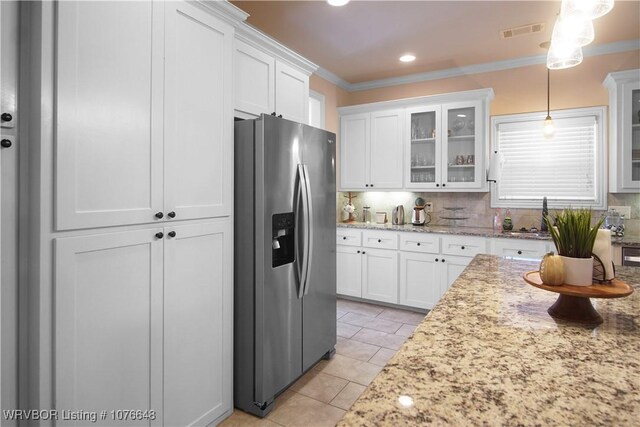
{"type": "Point", "coordinates": [622, 210]}
{"type": "Point", "coordinates": [428, 206]}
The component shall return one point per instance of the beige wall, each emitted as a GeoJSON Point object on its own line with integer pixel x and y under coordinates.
{"type": "Point", "coordinates": [334, 97]}
{"type": "Point", "coordinates": [518, 90]}
{"type": "Point", "coordinates": [521, 89]}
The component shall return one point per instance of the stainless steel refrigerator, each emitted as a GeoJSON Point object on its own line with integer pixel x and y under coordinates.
{"type": "Point", "coordinates": [285, 260]}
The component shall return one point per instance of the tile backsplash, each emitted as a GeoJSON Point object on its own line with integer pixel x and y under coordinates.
{"type": "Point", "coordinates": [477, 206]}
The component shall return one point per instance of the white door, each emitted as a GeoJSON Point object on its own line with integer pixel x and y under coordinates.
{"type": "Point", "coordinates": [386, 150]}
{"type": "Point", "coordinates": [354, 151]}
{"type": "Point", "coordinates": [198, 116]}
{"type": "Point", "coordinates": [349, 270]}
{"type": "Point", "coordinates": [451, 267]}
{"type": "Point", "coordinates": [254, 80]}
{"type": "Point", "coordinates": [108, 324]}
{"type": "Point", "coordinates": [423, 145]}
{"type": "Point", "coordinates": [197, 323]}
{"type": "Point", "coordinates": [108, 149]}
{"type": "Point", "coordinates": [380, 275]}
{"type": "Point", "coordinates": [292, 93]}
{"type": "Point", "coordinates": [462, 163]}
{"type": "Point", "coordinates": [419, 286]}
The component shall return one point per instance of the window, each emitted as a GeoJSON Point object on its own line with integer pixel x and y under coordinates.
{"type": "Point", "coordinates": [567, 168]}
{"type": "Point", "coordinates": [316, 110]}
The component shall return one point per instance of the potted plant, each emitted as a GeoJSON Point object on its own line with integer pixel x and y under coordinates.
{"type": "Point", "coordinates": [574, 237]}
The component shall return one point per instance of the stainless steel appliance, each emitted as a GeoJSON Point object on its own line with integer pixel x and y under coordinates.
{"type": "Point", "coordinates": [631, 256]}
{"type": "Point", "coordinates": [397, 216]}
{"type": "Point", "coordinates": [285, 256]}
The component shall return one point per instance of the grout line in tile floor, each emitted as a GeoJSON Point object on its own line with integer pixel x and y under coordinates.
{"type": "Point", "coordinates": [368, 336]}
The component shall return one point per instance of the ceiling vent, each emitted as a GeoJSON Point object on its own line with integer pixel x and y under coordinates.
{"type": "Point", "coordinates": [521, 31]}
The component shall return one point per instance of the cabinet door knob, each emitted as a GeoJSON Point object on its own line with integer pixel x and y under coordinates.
{"type": "Point", "coordinates": [159, 215]}
{"type": "Point", "coordinates": [363, 252]}
{"type": "Point", "coordinates": [418, 243]}
{"type": "Point", "coordinates": [462, 248]}
{"type": "Point", "coordinates": [6, 143]}
{"type": "Point", "coordinates": [279, 116]}
{"type": "Point", "coordinates": [444, 185]}
{"type": "Point", "coordinates": [6, 117]}
{"type": "Point", "coordinates": [437, 185]}
{"type": "Point", "coordinates": [344, 237]}
{"type": "Point", "coordinates": [366, 185]}
{"type": "Point", "coordinates": [358, 251]}
{"type": "Point", "coordinates": [171, 234]}
{"type": "Point", "coordinates": [171, 214]}
{"type": "Point", "coordinates": [379, 241]}
{"type": "Point", "coordinates": [370, 185]}
{"type": "Point", "coordinates": [159, 235]}
{"type": "Point", "coordinates": [519, 252]}
{"type": "Point", "coordinates": [437, 260]}
{"type": "Point", "coordinates": [273, 114]}
{"type": "Point", "coordinates": [442, 259]}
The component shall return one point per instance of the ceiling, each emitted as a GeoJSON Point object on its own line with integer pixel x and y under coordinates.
{"type": "Point", "coordinates": [363, 40]}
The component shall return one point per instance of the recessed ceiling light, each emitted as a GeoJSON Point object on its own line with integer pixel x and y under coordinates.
{"type": "Point", "coordinates": [337, 2]}
{"type": "Point", "coordinates": [407, 58]}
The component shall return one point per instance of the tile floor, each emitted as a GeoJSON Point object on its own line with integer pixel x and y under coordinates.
{"type": "Point", "coordinates": [368, 336]}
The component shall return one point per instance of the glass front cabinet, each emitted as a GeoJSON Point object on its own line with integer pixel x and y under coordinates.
{"type": "Point", "coordinates": [624, 131]}
{"type": "Point", "coordinates": [445, 147]}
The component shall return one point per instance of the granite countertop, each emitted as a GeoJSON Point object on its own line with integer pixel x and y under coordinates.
{"type": "Point", "coordinates": [489, 354]}
{"type": "Point", "coordinates": [628, 240]}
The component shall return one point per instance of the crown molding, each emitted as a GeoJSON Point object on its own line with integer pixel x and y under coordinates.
{"type": "Point", "coordinates": [526, 61]}
{"type": "Point", "coordinates": [225, 10]}
{"type": "Point", "coordinates": [258, 39]}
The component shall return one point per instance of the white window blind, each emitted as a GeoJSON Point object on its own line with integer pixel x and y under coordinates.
{"type": "Point", "coordinates": [566, 168]}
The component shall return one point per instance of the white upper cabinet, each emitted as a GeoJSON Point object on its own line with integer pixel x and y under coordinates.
{"type": "Point", "coordinates": [385, 154]}
{"type": "Point", "coordinates": [433, 143]}
{"type": "Point", "coordinates": [198, 119]}
{"type": "Point", "coordinates": [269, 78]}
{"type": "Point", "coordinates": [255, 80]}
{"type": "Point", "coordinates": [144, 113]}
{"type": "Point", "coordinates": [624, 131]}
{"type": "Point", "coordinates": [354, 167]}
{"type": "Point", "coordinates": [371, 150]}
{"type": "Point", "coordinates": [109, 76]}
{"type": "Point", "coordinates": [292, 93]}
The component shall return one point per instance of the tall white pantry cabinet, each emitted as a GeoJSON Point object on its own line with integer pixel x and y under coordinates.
{"type": "Point", "coordinates": [131, 209]}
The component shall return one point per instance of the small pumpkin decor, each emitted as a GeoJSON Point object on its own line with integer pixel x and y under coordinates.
{"type": "Point", "coordinates": [552, 269]}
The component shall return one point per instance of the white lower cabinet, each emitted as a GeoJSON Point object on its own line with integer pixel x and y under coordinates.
{"type": "Point", "coordinates": [519, 248]}
{"type": "Point", "coordinates": [450, 268]}
{"type": "Point", "coordinates": [143, 321]}
{"type": "Point", "coordinates": [380, 275]}
{"type": "Point", "coordinates": [419, 281]}
{"type": "Point", "coordinates": [349, 271]}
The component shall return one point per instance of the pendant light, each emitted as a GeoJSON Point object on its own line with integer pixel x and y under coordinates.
{"type": "Point", "coordinates": [573, 30]}
{"type": "Point", "coordinates": [592, 9]}
{"type": "Point", "coordinates": [548, 121]}
{"type": "Point", "coordinates": [563, 56]}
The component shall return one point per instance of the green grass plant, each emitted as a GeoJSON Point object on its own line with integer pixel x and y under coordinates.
{"type": "Point", "coordinates": [573, 234]}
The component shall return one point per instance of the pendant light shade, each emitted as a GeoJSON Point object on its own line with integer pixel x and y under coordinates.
{"type": "Point", "coordinates": [563, 56]}
{"type": "Point", "coordinates": [573, 30]}
{"type": "Point", "coordinates": [592, 9]}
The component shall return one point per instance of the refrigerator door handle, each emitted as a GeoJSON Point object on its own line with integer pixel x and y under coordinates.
{"type": "Point", "coordinates": [301, 255]}
{"type": "Point", "coordinates": [309, 225]}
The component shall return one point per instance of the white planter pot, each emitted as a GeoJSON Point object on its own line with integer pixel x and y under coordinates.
{"type": "Point", "coordinates": [578, 271]}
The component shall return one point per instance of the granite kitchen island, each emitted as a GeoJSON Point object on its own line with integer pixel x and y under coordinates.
{"type": "Point", "coordinates": [489, 354]}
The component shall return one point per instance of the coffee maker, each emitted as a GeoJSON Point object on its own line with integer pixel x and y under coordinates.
{"type": "Point", "coordinates": [419, 217]}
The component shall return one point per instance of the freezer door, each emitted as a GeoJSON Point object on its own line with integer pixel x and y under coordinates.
{"type": "Point", "coordinates": [319, 301]}
{"type": "Point", "coordinates": [278, 322]}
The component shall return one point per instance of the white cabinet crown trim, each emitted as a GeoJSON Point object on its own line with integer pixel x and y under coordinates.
{"type": "Point", "coordinates": [442, 98]}
{"type": "Point", "coordinates": [256, 38]}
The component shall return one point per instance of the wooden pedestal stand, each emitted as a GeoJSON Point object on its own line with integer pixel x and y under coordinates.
{"type": "Point", "coordinates": [573, 303]}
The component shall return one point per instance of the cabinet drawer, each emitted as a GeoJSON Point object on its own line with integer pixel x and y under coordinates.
{"type": "Point", "coordinates": [518, 248]}
{"type": "Point", "coordinates": [348, 237]}
{"type": "Point", "coordinates": [464, 245]}
{"type": "Point", "coordinates": [420, 242]}
{"type": "Point", "coordinates": [380, 239]}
